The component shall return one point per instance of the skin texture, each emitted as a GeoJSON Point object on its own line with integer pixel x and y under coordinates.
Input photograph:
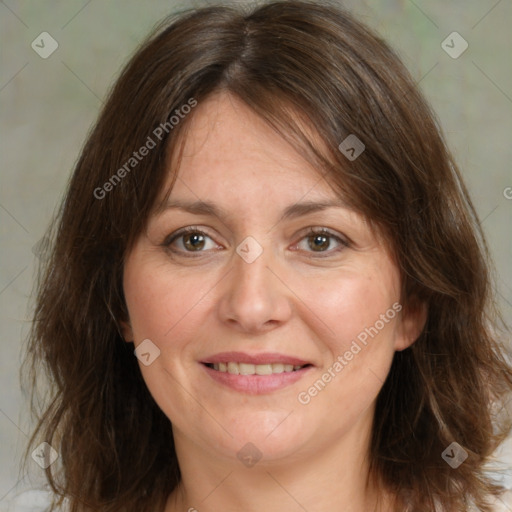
{"type": "Point", "coordinates": [292, 300]}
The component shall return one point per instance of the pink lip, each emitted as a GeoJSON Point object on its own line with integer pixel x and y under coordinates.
{"type": "Point", "coordinates": [256, 384]}
{"type": "Point", "coordinates": [264, 358]}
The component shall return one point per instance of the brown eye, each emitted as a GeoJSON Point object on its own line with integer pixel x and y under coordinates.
{"type": "Point", "coordinates": [319, 242]}
{"type": "Point", "coordinates": [322, 241]}
{"type": "Point", "coordinates": [194, 242]}
{"type": "Point", "coordinates": [189, 240]}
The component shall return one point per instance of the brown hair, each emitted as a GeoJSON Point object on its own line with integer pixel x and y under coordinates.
{"type": "Point", "coordinates": [288, 61]}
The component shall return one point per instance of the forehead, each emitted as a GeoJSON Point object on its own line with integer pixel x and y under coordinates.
{"type": "Point", "coordinates": [227, 146]}
{"type": "Point", "coordinates": [235, 166]}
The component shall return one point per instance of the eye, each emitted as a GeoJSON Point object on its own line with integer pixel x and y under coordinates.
{"type": "Point", "coordinates": [189, 239]}
{"type": "Point", "coordinates": [194, 240]}
{"type": "Point", "coordinates": [321, 240]}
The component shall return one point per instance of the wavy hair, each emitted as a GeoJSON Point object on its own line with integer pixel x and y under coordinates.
{"type": "Point", "coordinates": [313, 73]}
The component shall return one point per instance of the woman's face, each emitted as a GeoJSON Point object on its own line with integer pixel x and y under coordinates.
{"type": "Point", "coordinates": [256, 289]}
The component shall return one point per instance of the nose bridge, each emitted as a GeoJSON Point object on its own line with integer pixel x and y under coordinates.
{"type": "Point", "coordinates": [254, 297]}
{"type": "Point", "coordinates": [251, 275]}
{"type": "Point", "coordinates": [251, 267]}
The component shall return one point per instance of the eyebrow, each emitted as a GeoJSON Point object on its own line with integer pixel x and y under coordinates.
{"type": "Point", "coordinates": [290, 212]}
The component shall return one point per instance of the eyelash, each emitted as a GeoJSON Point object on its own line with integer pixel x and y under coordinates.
{"type": "Point", "coordinates": [311, 232]}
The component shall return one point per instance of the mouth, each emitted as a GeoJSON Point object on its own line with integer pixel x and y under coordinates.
{"type": "Point", "coordinates": [255, 374]}
{"type": "Point", "coordinates": [237, 368]}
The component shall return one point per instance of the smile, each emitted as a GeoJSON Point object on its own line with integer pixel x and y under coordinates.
{"type": "Point", "coordinates": [255, 379]}
{"type": "Point", "coordinates": [254, 369]}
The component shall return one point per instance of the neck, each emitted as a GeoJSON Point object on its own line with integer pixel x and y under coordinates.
{"type": "Point", "coordinates": [335, 478]}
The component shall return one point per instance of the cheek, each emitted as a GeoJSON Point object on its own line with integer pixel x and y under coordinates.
{"type": "Point", "coordinates": [148, 305]}
{"type": "Point", "coordinates": [164, 309]}
{"type": "Point", "coordinates": [353, 303]}
{"type": "Point", "coordinates": [160, 303]}
{"type": "Point", "coordinates": [361, 310]}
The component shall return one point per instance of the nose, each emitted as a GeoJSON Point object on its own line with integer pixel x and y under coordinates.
{"type": "Point", "coordinates": [255, 297]}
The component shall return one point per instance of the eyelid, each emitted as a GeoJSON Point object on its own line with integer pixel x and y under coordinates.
{"type": "Point", "coordinates": [185, 231]}
{"type": "Point", "coordinates": [326, 231]}
{"type": "Point", "coordinates": [343, 240]}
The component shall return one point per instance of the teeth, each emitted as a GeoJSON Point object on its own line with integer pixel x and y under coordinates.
{"type": "Point", "coordinates": [263, 369]}
{"type": "Point", "coordinates": [277, 368]}
{"type": "Point", "coordinates": [247, 369]}
{"type": "Point", "coordinates": [233, 368]}
{"type": "Point", "coordinates": [254, 369]}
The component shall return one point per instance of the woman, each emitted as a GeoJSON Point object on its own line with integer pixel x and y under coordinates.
{"type": "Point", "coordinates": [268, 288]}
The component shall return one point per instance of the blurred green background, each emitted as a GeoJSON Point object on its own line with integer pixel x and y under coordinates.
{"type": "Point", "coordinates": [48, 105]}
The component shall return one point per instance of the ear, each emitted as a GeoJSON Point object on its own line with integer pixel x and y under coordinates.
{"type": "Point", "coordinates": [126, 331]}
{"type": "Point", "coordinates": [411, 323]}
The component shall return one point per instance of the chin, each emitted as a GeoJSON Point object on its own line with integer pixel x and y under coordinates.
{"type": "Point", "coordinates": [273, 435]}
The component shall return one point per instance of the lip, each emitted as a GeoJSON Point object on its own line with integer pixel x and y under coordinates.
{"type": "Point", "coordinates": [263, 358]}
{"type": "Point", "coordinates": [256, 384]}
